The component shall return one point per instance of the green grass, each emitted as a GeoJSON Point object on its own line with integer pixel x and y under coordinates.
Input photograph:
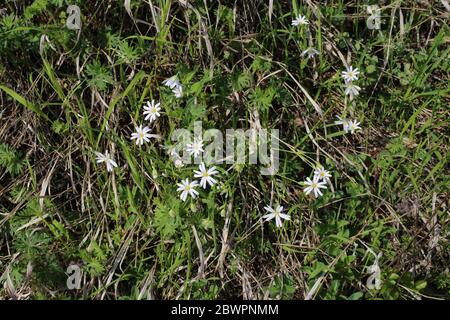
{"type": "Point", "coordinates": [80, 92]}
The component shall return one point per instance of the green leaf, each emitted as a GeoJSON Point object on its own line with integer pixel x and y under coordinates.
{"type": "Point", "coordinates": [356, 296]}
{"type": "Point", "coordinates": [420, 285]}
{"type": "Point", "coordinates": [23, 101]}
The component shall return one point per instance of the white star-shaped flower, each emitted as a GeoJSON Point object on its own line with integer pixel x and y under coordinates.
{"type": "Point", "coordinates": [172, 82]}
{"type": "Point", "coordinates": [314, 186]}
{"type": "Point", "coordinates": [353, 126]}
{"type": "Point", "coordinates": [151, 110]}
{"type": "Point", "coordinates": [195, 148]}
{"type": "Point", "coordinates": [178, 91]}
{"type": "Point", "coordinates": [350, 74]}
{"type": "Point", "coordinates": [142, 134]}
{"type": "Point", "coordinates": [106, 158]}
{"type": "Point", "coordinates": [205, 175]}
{"type": "Point", "coordinates": [187, 188]}
{"type": "Point", "coordinates": [277, 214]}
{"type": "Point", "coordinates": [344, 122]}
{"type": "Point", "coordinates": [352, 90]}
{"type": "Point", "coordinates": [300, 20]}
{"type": "Point", "coordinates": [321, 173]}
